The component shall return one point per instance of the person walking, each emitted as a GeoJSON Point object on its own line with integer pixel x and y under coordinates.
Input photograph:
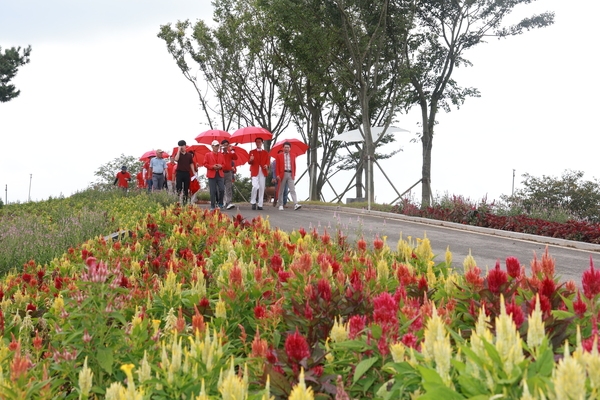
{"type": "Point", "coordinates": [171, 175]}
{"type": "Point", "coordinates": [214, 162]}
{"type": "Point", "coordinates": [275, 182]}
{"type": "Point", "coordinates": [123, 178]}
{"type": "Point", "coordinates": [229, 156]}
{"type": "Point", "coordinates": [184, 171]}
{"type": "Point", "coordinates": [259, 168]}
{"type": "Point", "coordinates": [158, 168]}
{"type": "Point", "coordinates": [286, 172]}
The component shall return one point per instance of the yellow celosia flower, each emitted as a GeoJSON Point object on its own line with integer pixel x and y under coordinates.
{"type": "Point", "coordinates": [145, 371]}
{"type": "Point", "coordinates": [85, 379]}
{"type": "Point", "coordinates": [58, 304]}
{"type": "Point", "coordinates": [398, 350]}
{"type": "Point", "coordinates": [383, 270]}
{"type": "Point", "coordinates": [508, 340]}
{"type": "Point", "coordinates": [469, 262]}
{"type": "Point", "coordinates": [170, 320]}
{"type": "Point", "coordinates": [434, 330]}
{"type": "Point", "coordinates": [329, 357]}
{"type": "Point", "coordinates": [448, 257]}
{"type": "Point", "coordinates": [300, 391]}
{"type": "Point", "coordinates": [569, 378]}
{"type": "Point", "coordinates": [339, 332]}
{"type": "Point", "coordinates": [220, 309]}
{"type": "Point", "coordinates": [404, 249]}
{"type": "Point", "coordinates": [592, 365]}
{"type": "Point", "coordinates": [535, 331]}
{"type": "Point", "coordinates": [116, 391]}
{"type": "Point", "coordinates": [203, 395]}
{"type": "Point", "coordinates": [170, 288]}
{"type": "Point", "coordinates": [137, 319]}
{"type": "Point", "coordinates": [233, 387]}
{"type": "Point", "coordinates": [431, 278]}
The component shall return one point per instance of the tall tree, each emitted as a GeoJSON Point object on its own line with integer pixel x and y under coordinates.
{"type": "Point", "coordinates": [442, 32]}
{"type": "Point", "coordinates": [10, 62]}
{"type": "Point", "coordinates": [105, 174]}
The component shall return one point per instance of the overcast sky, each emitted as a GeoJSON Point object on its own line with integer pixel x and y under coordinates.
{"type": "Point", "coordinates": [100, 83]}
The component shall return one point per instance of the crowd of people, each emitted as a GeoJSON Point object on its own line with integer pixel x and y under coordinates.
{"type": "Point", "coordinates": [180, 174]}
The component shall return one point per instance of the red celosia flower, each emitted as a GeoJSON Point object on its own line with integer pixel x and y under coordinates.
{"type": "Point", "coordinates": [579, 306]}
{"type": "Point", "coordinates": [296, 347]}
{"type": "Point", "coordinates": [276, 262]}
{"type": "Point", "coordinates": [260, 347]}
{"type": "Point", "coordinates": [317, 370]}
{"type": "Point", "coordinates": [326, 239]}
{"type": "Point", "coordinates": [496, 278]}
{"type": "Point", "coordinates": [385, 310]}
{"type": "Point", "coordinates": [31, 307]}
{"type": "Point", "coordinates": [545, 305]}
{"type": "Point", "coordinates": [473, 277]}
{"type": "Point", "coordinates": [308, 313]}
{"type": "Point", "coordinates": [590, 280]}
{"type": "Point", "coordinates": [260, 312]}
{"type": "Point", "coordinates": [235, 276]}
{"type": "Point", "coordinates": [515, 312]}
{"type": "Point", "coordinates": [26, 277]}
{"type": "Point", "coordinates": [204, 303]}
{"type": "Point", "coordinates": [513, 267]}
{"type": "Point", "coordinates": [197, 321]}
{"type": "Point", "coordinates": [377, 243]}
{"type": "Point", "coordinates": [284, 275]}
{"type": "Point", "coordinates": [302, 232]}
{"type": "Point", "coordinates": [356, 324]}
{"type": "Point", "coordinates": [423, 284]}
{"type": "Point", "coordinates": [548, 287]}
{"type": "Point", "coordinates": [383, 346]}
{"type": "Point", "coordinates": [37, 341]}
{"type": "Point", "coordinates": [361, 244]}
{"type": "Point", "coordinates": [324, 289]}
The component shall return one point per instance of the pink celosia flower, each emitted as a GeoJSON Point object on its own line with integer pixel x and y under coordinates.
{"type": "Point", "coordinates": [496, 278]}
{"type": "Point", "coordinates": [385, 311]}
{"type": "Point", "coordinates": [377, 243]}
{"type": "Point", "coordinates": [296, 347]}
{"type": "Point", "coordinates": [260, 347]}
{"type": "Point", "coordinates": [356, 324]}
{"type": "Point", "coordinates": [324, 289]}
{"type": "Point", "coordinates": [409, 340]}
{"type": "Point", "coordinates": [590, 280]}
{"type": "Point", "coordinates": [513, 267]}
{"type": "Point", "coordinates": [515, 312]}
{"type": "Point", "coordinates": [473, 277]}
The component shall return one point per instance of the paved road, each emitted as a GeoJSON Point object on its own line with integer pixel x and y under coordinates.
{"type": "Point", "coordinates": [486, 245]}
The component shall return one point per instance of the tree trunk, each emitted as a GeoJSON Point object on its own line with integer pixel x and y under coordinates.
{"type": "Point", "coordinates": [427, 142]}
{"type": "Point", "coordinates": [359, 181]}
{"type": "Point", "coordinates": [314, 143]}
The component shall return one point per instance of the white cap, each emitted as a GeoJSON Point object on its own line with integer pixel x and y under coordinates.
{"type": "Point", "coordinates": [215, 143]}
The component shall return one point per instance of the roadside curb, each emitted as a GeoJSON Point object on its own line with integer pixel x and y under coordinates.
{"type": "Point", "coordinates": [471, 228]}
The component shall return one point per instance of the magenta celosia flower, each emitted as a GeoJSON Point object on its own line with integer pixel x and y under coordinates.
{"type": "Point", "coordinates": [409, 340]}
{"type": "Point", "coordinates": [513, 267]}
{"type": "Point", "coordinates": [296, 347]}
{"type": "Point", "coordinates": [385, 310]}
{"type": "Point", "coordinates": [496, 278]}
{"type": "Point", "coordinates": [260, 312]}
{"type": "Point", "coordinates": [356, 324]}
{"type": "Point", "coordinates": [590, 280]}
{"type": "Point", "coordinates": [276, 262]}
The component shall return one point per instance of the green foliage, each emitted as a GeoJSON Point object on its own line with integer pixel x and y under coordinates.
{"type": "Point", "coordinates": [242, 189]}
{"type": "Point", "coordinates": [10, 62]}
{"type": "Point", "coordinates": [106, 173]}
{"type": "Point", "coordinates": [556, 199]}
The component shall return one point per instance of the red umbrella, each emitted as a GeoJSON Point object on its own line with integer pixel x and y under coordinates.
{"type": "Point", "coordinates": [207, 137]}
{"type": "Point", "coordinates": [242, 155]}
{"type": "Point", "coordinates": [297, 148]}
{"type": "Point", "coordinates": [152, 153]}
{"type": "Point", "coordinates": [199, 152]}
{"type": "Point", "coordinates": [250, 134]}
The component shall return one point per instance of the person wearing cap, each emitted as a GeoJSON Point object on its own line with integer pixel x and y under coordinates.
{"type": "Point", "coordinates": [229, 156]}
{"type": "Point", "coordinates": [214, 162]}
{"type": "Point", "coordinates": [259, 169]}
{"type": "Point", "coordinates": [158, 168]}
{"type": "Point", "coordinates": [286, 172]}
{"type": "Point", "coordinates": [123, 178]}
{"type": "Point", "coordinates": [184, 171]}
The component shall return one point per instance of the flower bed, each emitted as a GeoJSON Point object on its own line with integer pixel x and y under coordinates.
{"type": "Point", "coordinates": [194, 305]}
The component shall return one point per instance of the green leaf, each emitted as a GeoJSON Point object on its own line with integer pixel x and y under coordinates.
{"type": "Point", "coordinates": [436, 391]}
{"type": "Point", "coordinates": [376, 331]}
{"type": "Point", "coordinates": [544, 364]}
{"type": "Point", "coordinates": [363, 367]}
{"type": "Point", "coordinates": [471, 386]}
{"type": "Point", "coordinates": [105, 359]}
{"type": "Point", "coordinates": [562, 314]}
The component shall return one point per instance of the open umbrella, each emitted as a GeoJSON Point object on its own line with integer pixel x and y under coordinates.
{"type": "Point", "coordinates": [152, 153]}
{"type": "Point", "coordinates": [297, 148]}
{"type": "Point", "coordinates": [242, 155]}
{"type": "Point", "coordinates": [199, 152]}
{"type": "Point", "coordinates": [249, 134]}
{"type": "Point", "coordinates": [207, 137]}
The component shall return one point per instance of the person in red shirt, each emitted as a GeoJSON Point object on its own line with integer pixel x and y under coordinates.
{"type": "Point", "coordinates": [259, 168]}
{"type": "Point", "coordinates": [184, 171]}
{"type": "Point", "coordinates": [147, 175]}
{"type": "Point", "coordinates": [214, 162]}
{"type": "Point", "coordinates": [141, 182]}
{"type": "Point", "coordinates": [123, 178]}
{"type": "Point", "coordinates": [171, 165]}
{"type": "Point", "coordinates": [229, 156]}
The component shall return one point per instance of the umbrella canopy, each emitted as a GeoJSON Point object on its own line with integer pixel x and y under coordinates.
{"type": "Point", "coordinates": [242, 154]}
{"type": "Point", "coordinates": [199, 152]}
{"type": "Point", "coordinates": [152, 153]}
{"type": "Point", "coordinates": [355, 136]}
{"type": "Point", "coordinates": [297, 148]}
{"type": "Point", "coordinates": [207, 137]}
{"type": "Point", "coordinates": [249, 134]}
